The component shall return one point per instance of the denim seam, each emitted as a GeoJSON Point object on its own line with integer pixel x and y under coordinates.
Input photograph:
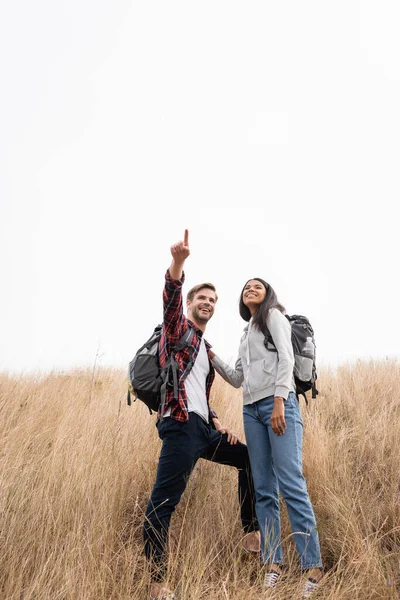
{"type": "Point", "coordinates": [312, 566]}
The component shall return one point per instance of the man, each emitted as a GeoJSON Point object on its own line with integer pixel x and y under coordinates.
{"type": "Point", "coordinates": [184, 422]}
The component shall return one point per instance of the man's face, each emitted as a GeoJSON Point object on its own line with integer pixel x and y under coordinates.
{"type": "Point", "coordinates": [201, 308]}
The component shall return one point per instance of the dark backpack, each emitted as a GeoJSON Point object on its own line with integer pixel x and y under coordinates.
{"type": "Point", "coordinates": [147, 380]}
{"type": "Point", "coordinates": [305, 372]}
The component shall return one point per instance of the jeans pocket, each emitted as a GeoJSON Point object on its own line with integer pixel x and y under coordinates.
{"type": "Point", "coordinates": [293, 408]}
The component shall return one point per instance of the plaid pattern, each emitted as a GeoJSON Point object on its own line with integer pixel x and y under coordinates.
{"type": "Point", "coordinates": [174, 326]}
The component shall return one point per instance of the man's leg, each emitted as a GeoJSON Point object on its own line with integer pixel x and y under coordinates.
{"type": "Point", "coordinates": [220, 451]}
{"type": "Point", "coordinates": [182, 445]}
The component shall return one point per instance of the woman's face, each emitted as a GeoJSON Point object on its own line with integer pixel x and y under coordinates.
{"type": "Point", "coordinates": [253, 294]}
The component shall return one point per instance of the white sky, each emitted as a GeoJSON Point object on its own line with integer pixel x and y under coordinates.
{"type": "Point", "coordinates": [270, 129]}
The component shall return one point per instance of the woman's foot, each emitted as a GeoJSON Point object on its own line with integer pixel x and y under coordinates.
{"type": "Point", "coordinates": [252, 542]}
{"type": "Point", "coordinates": [159, 591]}
{"type": "Point", "coordinates": [273, 574]}
{"type": "Point", "coordinates": [314, 576]}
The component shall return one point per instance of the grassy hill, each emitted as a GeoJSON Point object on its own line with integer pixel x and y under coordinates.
{"type": "Point", "coordinates": [78, 465]}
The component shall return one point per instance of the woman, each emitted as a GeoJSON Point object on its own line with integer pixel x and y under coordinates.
{"type": "Point", "coordinates": [273, 428]}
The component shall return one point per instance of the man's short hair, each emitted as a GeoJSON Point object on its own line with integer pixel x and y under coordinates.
{"type": "Point", "coordinates": [209, 286]}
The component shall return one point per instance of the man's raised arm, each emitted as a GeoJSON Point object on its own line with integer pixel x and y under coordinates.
{"type": "Point", "coordinates": [175, 323]}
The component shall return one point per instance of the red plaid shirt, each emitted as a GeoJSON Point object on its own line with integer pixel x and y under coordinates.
{"type": "Point", "coordinates": [174, 327]}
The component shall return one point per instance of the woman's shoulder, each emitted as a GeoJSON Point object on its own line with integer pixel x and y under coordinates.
{"type": "Point", "coordinates": [276, 317]}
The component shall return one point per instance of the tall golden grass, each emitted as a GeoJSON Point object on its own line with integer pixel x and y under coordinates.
{"type": "Point", "coordinates": [78, 466]}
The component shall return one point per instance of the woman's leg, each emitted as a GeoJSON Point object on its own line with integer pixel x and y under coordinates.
{"type": "Point", "coordinates": [265, 483]}
{"type": "Point", "coordinates": [287, 458]}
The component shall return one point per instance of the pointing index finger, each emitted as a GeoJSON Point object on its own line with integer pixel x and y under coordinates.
{"type": "Point", "coordinates": [186, 238]}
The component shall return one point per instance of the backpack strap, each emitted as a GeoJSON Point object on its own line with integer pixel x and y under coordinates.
{"type": "Point", "coordinates": [185, 340]}
{"type": "Point", "coordinates": [298, 393]}
{"type": "Point", "coordinates": [268, 340]}
{"type": "Point", "coordinates": [173, 366]}
{"type": "Point", "coordinates": [163, 394]}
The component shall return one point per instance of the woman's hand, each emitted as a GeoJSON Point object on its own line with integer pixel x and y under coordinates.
{"type": "Point", "coordinates": [278, 422]}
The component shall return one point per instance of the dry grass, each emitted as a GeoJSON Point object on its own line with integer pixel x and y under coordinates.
{"type": "Point", "coordinates": [78, 466]}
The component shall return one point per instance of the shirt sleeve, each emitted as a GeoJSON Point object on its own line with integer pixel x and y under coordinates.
{"type": "Point", "coordinates": [281, 333]}
{"type": "Point", "coordinates": [212, 413]}
{"type": "Point", "coordinates": [175, 324]}
{"type": "Point", "coordinates": [232, 376]}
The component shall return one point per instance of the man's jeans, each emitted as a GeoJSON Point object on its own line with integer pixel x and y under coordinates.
{"type": "Point", "coordinates": [183, 445]}
{"type": "Point", "coordinates": [276, 464]}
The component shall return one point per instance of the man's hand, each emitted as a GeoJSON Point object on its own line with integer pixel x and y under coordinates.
{"type": "Point", "coordinates": [180, 252]}
{"type": "Point", "coordinates": [233, 438]}
{"type": "Point", "coordinates": [278, 422]}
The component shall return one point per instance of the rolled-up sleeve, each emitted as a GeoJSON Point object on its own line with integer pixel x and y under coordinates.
{"type": "Point", "coordinates": [212, 413]}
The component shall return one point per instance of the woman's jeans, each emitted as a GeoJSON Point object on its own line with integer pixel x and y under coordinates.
{"type": "Point", "coordinates": [276, 465]}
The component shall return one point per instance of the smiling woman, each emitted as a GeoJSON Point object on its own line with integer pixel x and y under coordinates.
{"type": "Point", "coordinates": [274, 429]}
{"type": "Point", "coordinates": [256, 300]}
{"type": "Point", "coordinates": [254, 292]}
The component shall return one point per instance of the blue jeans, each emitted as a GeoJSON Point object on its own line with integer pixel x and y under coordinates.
{"type": "Point", "coordinates": [276, 465]}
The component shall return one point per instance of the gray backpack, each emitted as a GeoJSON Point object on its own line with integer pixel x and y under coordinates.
{"type": "Point", "coordinates": [147, 381]}
{"type": "Point", "coordinates": [305, 372]}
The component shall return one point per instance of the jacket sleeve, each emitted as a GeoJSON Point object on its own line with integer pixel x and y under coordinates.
{"type": "Point", "coordinates": [280, 331]}
{"type": "Point", "coordinates": [232, 376]}
{"type": "Point", "coordinates": [175, 323]}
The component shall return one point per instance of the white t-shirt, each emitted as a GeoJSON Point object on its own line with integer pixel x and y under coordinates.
{"type": "Point", "coordinates": [195, 385]}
